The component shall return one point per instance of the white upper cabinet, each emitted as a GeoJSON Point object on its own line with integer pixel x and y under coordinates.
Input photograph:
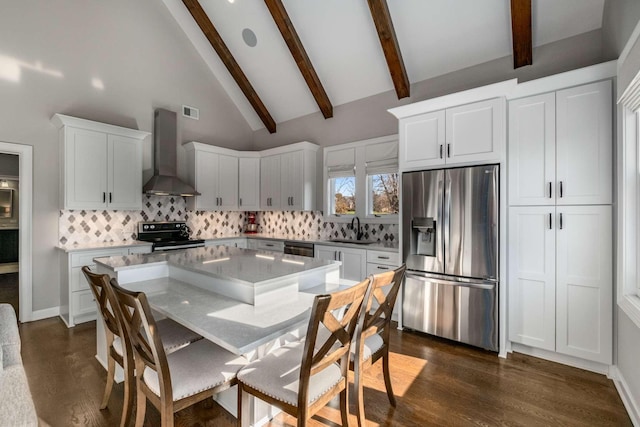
{"type": "Point", "coordinates": [422, 140]}
{"type": "Point", "coordinates": [288, 177]}
{"type": "Point", "coordinates": [101, 165]}
{"type": "Point", "coordinates": [584, 144]}
{"type": "Point", "coordinates": [249, 183]}
{"type": "Point", "coordinates": [475, 132]}
{"type": "Point", "coordinates": [270, 183]}
{"type": "Point", "coordinates": [213, 171]}
{"type": "Point", "coordinates": [560, 147]}
{"type": "Point", "coordinates": [468, 133]}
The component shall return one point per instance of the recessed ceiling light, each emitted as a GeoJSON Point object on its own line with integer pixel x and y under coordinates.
{"type": "Point", "coordinates": [249, 37]}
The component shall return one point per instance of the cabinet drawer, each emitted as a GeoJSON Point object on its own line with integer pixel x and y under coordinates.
{"type": "Point", "coordinates": [83, 305]}
{"type": "Point", "coordinates": [382, 257]}
{"type": "Point", "coordinates": [77, 281]}
{"type": "Point", "coordinates": [373, 268]}
{"type": "Point", "coordinates": [269, 245]}
{"type": "Point", "coordinates": [86, 258]}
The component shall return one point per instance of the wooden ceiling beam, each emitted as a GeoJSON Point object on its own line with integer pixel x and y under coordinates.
{"type": "Point", "coordinates": [388, 40]}
{"type": "Point", "coordinates": [210, 32]}
{"type": "Point", "coordinates": [521, 33]}
{"type": "Point", "coordinates": [290, 36]}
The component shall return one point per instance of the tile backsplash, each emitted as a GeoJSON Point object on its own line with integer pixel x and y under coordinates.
{"type": "Point", "coordinates": [86, 226]}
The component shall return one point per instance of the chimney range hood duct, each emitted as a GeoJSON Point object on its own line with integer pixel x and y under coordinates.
{"type": "Point", "coordinates": [164, 181]}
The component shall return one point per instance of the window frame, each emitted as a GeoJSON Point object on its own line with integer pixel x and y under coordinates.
{"type": "Point", "coordinates": [362, 189]}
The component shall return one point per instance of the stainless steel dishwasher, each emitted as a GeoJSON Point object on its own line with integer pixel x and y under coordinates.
{"type": "Point", "coordinates": [299, 248]}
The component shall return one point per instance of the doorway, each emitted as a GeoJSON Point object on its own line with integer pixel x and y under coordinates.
{"type": "Point", "coordinates": [16, 195]}
{"type": "Point", "coordinates": [9, 229]}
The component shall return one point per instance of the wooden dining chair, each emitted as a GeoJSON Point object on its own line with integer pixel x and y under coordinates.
{"type": "Point", "coordinates": [372, 341]}
{"type": "Point", "coordinates": [173, 336]}
{"type": "Point", "coordinates": [171, 382]}
{"type": "Point", "coordinates": [302, 377]}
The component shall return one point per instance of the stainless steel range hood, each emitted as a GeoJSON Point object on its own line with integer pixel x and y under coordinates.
{"type": "Point", "coordinates": [164, 181]}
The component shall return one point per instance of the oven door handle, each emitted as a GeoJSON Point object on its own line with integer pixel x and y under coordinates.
{"type": "Point", "coordinates": [175, 248]}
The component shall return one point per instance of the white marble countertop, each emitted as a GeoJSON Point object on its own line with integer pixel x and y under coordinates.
{"type": "Point", "coordinates": [223, 262]}
{"type": "Point", "coordinates": [78, 247]}
{"type": "Point", "coordinates": [378, 246]}
{"type": "Point", "coordinates": [234, 325]}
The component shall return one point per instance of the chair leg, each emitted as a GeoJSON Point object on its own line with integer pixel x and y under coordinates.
{"type": "Point", "coordinates": [166, 413]}
{"type": "Point", "coordinates": [127, 406]}
{"type": "Point", "coordinates": [141, 406]}
{"type": "Point", "coordinates": [111, 370]}
{"type": "Point", "coordinates": [359, 391]}
{"type": "Point", "coordinates": [344, 405]}
{"type": "Point", "coordinates": [387, 378]}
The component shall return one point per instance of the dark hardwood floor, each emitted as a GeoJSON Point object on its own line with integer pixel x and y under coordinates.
{"type": "Point", "coordinates": [436, 383]}
{"type": "Point", "coordinates": [9, 291]}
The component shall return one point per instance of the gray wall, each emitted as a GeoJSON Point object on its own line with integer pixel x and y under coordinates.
{"type": "Point", "coordinates": [618, 21]}
{"type": "Point", "coordinates": [144, 60]}
{"type": "Point", "coordinates": [368, 118]}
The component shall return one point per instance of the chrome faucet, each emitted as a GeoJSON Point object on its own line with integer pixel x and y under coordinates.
{"type": "Point", "coordinates": [358, 231]}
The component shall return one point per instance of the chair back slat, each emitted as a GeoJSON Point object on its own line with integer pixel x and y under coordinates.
{"type": "Point", "coordinates": [143, 332]}
{"type": "Point", "coordinates": [380, 319]}
{"type": "Point", "coordinates": [335, 346]}
{"type": "Point", "coordinates": [105, 299]}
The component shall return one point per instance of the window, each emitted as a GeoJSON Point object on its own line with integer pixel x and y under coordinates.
{"type": "Point", "coordinates": [341, 172]}
{"type": "Point", "coordinates": [362, 179]}
{"type": "Point", "coordinates": [383, 194]}
{"type": "Point", "coordinates": [628, 293]}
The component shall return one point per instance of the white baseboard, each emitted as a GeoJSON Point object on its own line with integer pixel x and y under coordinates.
{"type": "Point", "coordinates": [630, 403]}
{"type": "Point", "coordinates": [599, 368]}
{"type": "Point", "coordinates": [44, 314]}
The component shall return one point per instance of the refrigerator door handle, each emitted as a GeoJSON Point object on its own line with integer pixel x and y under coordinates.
{"type": "Point", "coordinates": [474, 285]}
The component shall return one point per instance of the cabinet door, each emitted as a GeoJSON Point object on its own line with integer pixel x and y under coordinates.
{"type": "Point", "coordinates": [584, 144]}
{"type": "Point", "coordinates": [85, 169]}
{"type": "Point", "coordinates": [292, 181]}
{"type": "Point", "coordinates": [124, 173]}
{"type": "Point", "coordinates": [531, 271]}
{"type": "Point", "coordinates": [270, 183]}
{"type": "Point", "coordinates": [227, 182]}
{"type": "Point", "coordinates": [354, 263]}
{"type": "Point", "coordinates": [475, 131]}
{"type": "Point", "coordinates": [327, 253]}
{"type": "Point", "coordinates": [585, 282]}
{"type": "Point", "coordinates": [422, 140]}
{"type": "Point", "coordinates": [532, 150]}
{"type": "Point", "coordinates": [206, 180]}
{"type": "Point", "coordinates": [249, 183]}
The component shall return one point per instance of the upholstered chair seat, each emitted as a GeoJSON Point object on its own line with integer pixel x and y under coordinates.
{"type": "Point", "coordinates": [278, 375]}
{"type": "Point", "coordinates": [200, 366]}
{"type": "Point", "coordinates": [174, 336]}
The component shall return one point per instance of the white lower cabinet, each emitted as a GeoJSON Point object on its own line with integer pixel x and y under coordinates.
{"type": "Point", "coordinates": [77, 304]}
{"type": "Point", "coordinates": [561, 280]}
{"type": "Point", "coordinates": [354, 261]}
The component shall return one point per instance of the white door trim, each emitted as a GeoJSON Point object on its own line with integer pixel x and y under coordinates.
{"type": "Point", "coordinates": [25, 187]}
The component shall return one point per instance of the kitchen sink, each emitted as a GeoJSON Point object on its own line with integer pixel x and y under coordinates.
{"type": "Point", "coordinates": [356, 242]}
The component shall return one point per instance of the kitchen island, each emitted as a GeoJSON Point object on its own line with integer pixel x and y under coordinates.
{"type": "Point", "coordinates": [244, 300]}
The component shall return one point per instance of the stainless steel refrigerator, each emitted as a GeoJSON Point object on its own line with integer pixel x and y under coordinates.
{"type": "Point", "coordinates": [450, 223]}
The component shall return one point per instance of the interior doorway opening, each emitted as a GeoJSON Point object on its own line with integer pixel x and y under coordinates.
{"type": "Point", "coordinates": [16, 196]}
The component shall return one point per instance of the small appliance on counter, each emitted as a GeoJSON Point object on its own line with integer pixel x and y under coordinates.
{"type": "Point", "coordinates": [251, 226]}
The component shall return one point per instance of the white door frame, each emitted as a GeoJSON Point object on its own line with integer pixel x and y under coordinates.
{"type": "Point", "coordinates": [25, 188]}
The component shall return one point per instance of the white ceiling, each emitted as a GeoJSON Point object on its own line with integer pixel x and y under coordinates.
{"type": "Point", "coordinates": [435, 37]}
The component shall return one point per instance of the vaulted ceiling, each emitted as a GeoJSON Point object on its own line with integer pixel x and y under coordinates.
{"type": "Point", "coordinates": [283, 59]}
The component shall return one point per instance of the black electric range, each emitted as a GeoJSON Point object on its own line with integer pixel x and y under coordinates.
{"type": "Point", "coordinates": [167, 236]}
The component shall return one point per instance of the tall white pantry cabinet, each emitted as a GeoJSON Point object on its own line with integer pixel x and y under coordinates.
{"type": "Point", "coordinates": [560, 261]}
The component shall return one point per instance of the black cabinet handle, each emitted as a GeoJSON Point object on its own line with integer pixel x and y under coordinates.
{"type": "Point", "coordinates": [550, 190]}
{"type": "Point", "coordinates": [560, 188]}
{"type": "Point", "coordinates": [449, 150]}
{"type": "Point", "coordinates": [561, 221]}
{"type": "Point", "coordinates": [441, 147]}
{"type": "Point", "coordinates": [240, 201]}
{"type": "Point", "coordinates": [104, 197]}
{"type": "Point", "coordinates": [110, 197]}
{"type": "Point", "coordinates": [383, 257]}
{"type": "Point", "coordinates": [550, 219]}
{"type": "Point", "coordinates": [382, 268]}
